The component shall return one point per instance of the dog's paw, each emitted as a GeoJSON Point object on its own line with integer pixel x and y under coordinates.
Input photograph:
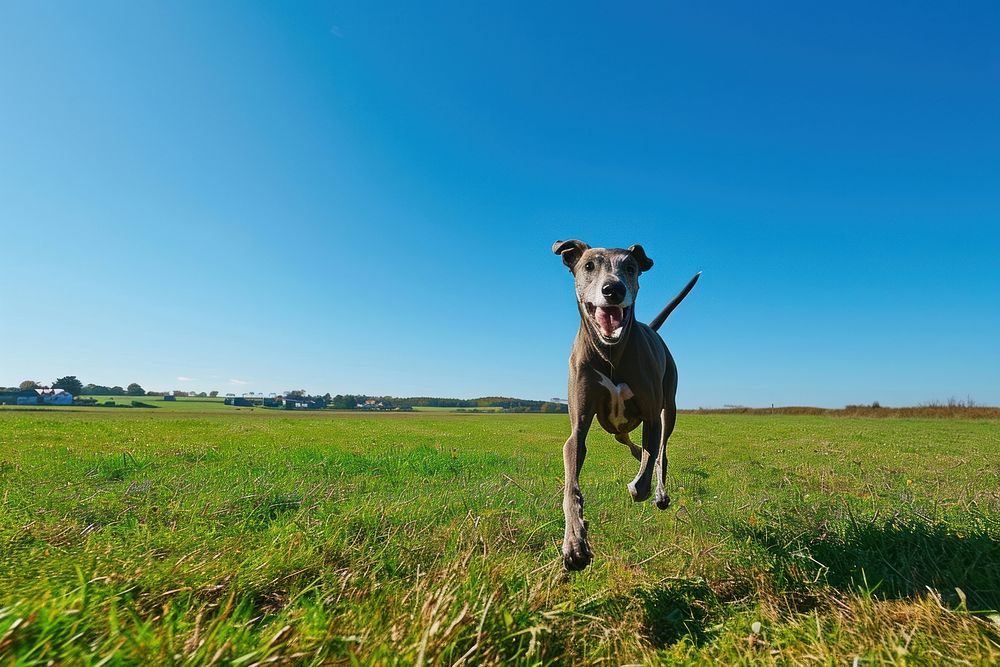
{"type": "Point", "coordinates": [576, 556]}
{"type": "Point", "coordinates": [638, 495]}
{"type": "Point", "coordinates": [662, 501]}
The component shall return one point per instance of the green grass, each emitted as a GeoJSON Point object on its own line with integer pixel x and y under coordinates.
{"type": "Point", "coordinates": [239, 537]}
{"type": "Point", "coordinates": [184, 404]}
{"type": "Point", "coordinates": [195, 404]}
{"type": "Point", "coordinates": [179, 404]}
{"type": "Point", "coordinates": [437, 409]}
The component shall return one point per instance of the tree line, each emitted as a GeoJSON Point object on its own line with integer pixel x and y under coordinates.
{"type": "Point", "coordinates": [351, 401]}
{"type": "Point", "coordinates": [74, 386]}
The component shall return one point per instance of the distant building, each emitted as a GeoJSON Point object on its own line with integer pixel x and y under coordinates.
{"type": "Point", "coordinates": [19, 397]}
{"type": "Point", "coordinates": [239, 401]}
{"type": "Point", "coordinates": [169, 397]}
{"type": "Point", "coordinates": [304, 403]}
{"type": "Point", "coordinates": [54, 396]}
{"type": "Point", "coordinates": [39, 396]}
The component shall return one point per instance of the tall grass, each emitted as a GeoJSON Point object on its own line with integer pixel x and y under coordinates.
{"type": "Point", "coordinates": [262, 538]}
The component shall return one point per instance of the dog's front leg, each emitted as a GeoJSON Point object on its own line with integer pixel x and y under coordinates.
{"type": "Point", "coordinates": [668, 418]}
{"type": "Point", "coordinates": [575, 550]}
{"type": "Point", "coordinates": [640, 486]}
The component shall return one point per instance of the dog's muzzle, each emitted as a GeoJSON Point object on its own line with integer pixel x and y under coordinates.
{"type": "Point", "coordinates": [609, 321]}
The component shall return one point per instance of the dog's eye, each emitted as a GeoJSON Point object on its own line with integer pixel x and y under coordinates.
{"type": "Point", "coordinates": [589, 266]}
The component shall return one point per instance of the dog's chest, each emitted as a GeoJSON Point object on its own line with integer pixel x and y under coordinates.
{"type": "Point", "coordinates": [616, 417]}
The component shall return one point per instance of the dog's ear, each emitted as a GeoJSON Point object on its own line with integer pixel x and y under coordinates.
{"type": "Point", "coordinates": [645, 263]}
{"type": "Point", "coordinates": [570, 250]}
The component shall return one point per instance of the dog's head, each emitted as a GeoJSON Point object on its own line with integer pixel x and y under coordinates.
{"type": "Point", "coordinates": [607, 281]}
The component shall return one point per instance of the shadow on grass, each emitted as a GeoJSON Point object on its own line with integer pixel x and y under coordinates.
{"type": "Point", "coordinates": [890, 560]}
{"type": "Point", "coordinates": [679, 610]}
{"type": "Point", "coordinates": [676, 612]}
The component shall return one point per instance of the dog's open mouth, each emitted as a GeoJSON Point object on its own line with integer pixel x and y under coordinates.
{"type": "Point", "coordinates": [608, 320]}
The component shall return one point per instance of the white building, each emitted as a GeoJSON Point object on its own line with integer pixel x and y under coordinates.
{"type": "Point", "coordinates": [54, 397]}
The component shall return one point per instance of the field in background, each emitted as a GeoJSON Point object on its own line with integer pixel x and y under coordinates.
{"type": "Point", "coordinates": [436, 409]}
{"type": "Point", "coordinates": [195, 404]}
{"type": "Point", "coordinates": [950, 410]}
{"type": "Point", "coordinates": [241, 536]}
{"type": "Point", "coordinates": [179, 404]}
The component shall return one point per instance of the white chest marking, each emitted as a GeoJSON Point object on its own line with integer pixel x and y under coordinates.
{"type": "Point", "coordinates": [619, 394]}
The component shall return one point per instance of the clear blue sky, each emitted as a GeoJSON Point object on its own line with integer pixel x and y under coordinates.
{"type": "Point", "coordinates": [361, 197]}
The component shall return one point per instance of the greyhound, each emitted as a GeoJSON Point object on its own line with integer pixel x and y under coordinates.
{"type": "Point", "coordinates": [620, 371]}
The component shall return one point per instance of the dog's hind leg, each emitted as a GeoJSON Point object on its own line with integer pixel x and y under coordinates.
{"type": "Point", "coordinates": [668, 418]}
{"type": "Point", "coordinates": [632, 447]}
{"type": "Point", "coordinates": [639, 487]}
{"type": "Point", "coordinates": [575, 550]}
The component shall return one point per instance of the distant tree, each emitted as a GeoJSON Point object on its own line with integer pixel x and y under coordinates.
{"type": "Point", "coordinates": [118, 390]}
{"type": "Point", "coordinates": [202, 395]}
{"type": "Point", "coordinates": [135, 389]}
{"type": "Point", "coordinates": [28, 384]}
{"type": "Point", "coordinates": [348, 402]}
{"type": "Point", "coordinates": [297, 393]}
{"type": "Point", "coordinates": [69, 384]}
{"type": "Point", "coordinates": [213, 393]}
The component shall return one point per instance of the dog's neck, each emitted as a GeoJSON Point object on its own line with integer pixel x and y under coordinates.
{"type": "Point", "coordinates": [611, 354]}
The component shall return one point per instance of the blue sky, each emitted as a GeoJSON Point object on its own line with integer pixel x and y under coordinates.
{"type": "Point", "coordinates": [361, 197]}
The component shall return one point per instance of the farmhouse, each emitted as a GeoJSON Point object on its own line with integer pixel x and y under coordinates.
{"type": "Point", "coordinates": [21, 397]}
{"type": "Point", "coordinates": [304, 403]}
{"type": "Point", "coordinates": [239, 401]}
{"type": "Point", "coordinates": [39, 396]}
{"type": "Point", "coordinates": [54, 396]}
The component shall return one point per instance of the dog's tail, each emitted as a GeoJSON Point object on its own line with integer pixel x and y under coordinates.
{"type": "Point", "coordinates": [665, 313]}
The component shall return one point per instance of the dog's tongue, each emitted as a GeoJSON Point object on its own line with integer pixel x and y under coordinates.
{"type": "Point", "coordinates": [609, 318]}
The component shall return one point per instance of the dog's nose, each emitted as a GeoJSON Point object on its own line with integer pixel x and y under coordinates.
{"type": "Point", "coordinates": [614, 292]}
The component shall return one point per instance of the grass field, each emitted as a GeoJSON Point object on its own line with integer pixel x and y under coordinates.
{"type": "Point", "coordinates": [180, 404]}
{"type": "Point", "coordinates": [196, 404]}
{"type": "Point", "coordinates": [435, 409]}
{"type": "Point", "coordinates": [239, 537]}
